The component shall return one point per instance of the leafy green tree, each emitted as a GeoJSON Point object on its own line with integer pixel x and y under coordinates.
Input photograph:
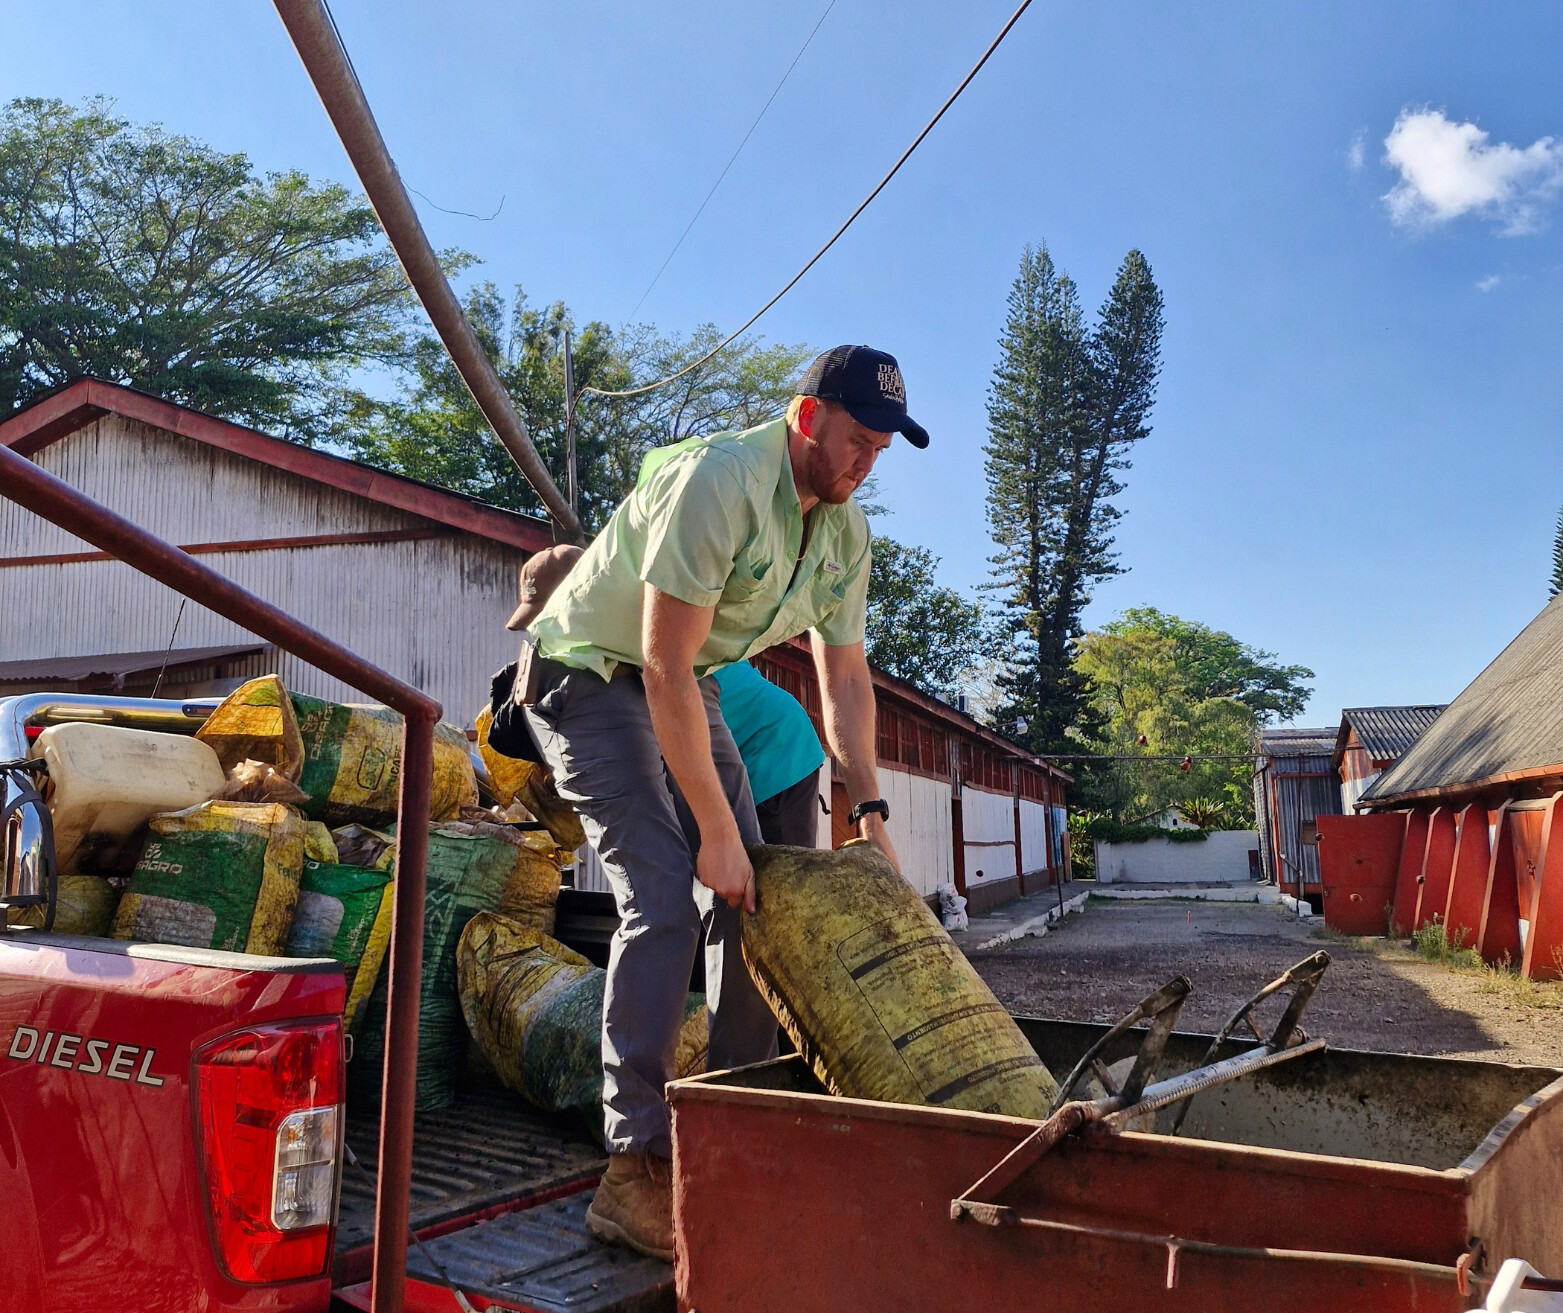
{"type": "Point", "coordinates": [1065, 406]}
{"type": "Point", "coordinates": [917, 629]}
{"type": "Point", "coordinates": [1161, 685]}
{"type": "Point", "coordinates": [149, 259]}
{"type": "Point", "coordinates": [432, 429]}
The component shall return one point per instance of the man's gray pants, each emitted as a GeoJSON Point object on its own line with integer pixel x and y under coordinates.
{"type": "Point", "coordinates": [599, 745]}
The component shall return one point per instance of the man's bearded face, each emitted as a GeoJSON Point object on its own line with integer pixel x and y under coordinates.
{"type": "Point", "coordinates": [841, 453]}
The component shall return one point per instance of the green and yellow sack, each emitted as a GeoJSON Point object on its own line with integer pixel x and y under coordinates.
{"type": "Point", "coordinates": [319, 846]}
{"type": "Point", "coordinates": [220, 875]}
{"type": "Point", "coordinates": [83, 905]}
{"type": "Point", "coordinates": [531, 893]}
{"type": "Point", "coordinates": [467, 874]}
{"type": "Point", "coordinates": [353, 758]}
{"type": "Point", "coordinates": [874, 993]}
{"type": "Point", "coordinates": [343, 912]}
{"type": "Point", "coordinates": [534, 1008]}
{"type": "Point", "coordinates": [527, 783]}
{"type": "Point", "coordinates": [256, 723]}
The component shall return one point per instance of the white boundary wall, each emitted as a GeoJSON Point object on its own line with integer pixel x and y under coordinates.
{"type": "Point", "coordinates": [921, 827]}
{"type": "Point", "coordinates": [916, 806]}
{"type": "Point", "coordinates": [1220, 858]}
{"type": "Point", "coordinates": [988, 827]}
{"type": "Point", "coordinates": [1033, 836]}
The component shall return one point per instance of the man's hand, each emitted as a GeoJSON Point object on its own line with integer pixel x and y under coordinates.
{"type": "Point", "coordinates": [873, 828]}
{"type": "Point", "coordinates": [724, 868]}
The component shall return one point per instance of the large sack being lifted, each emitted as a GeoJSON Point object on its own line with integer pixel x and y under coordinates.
{"type": "Point", "coordinates": [873, 992]}
{"type": "Point", "coordinates": [534, 1007]}
{"type": "Point", "coordinates": [222, 875]}
{"type": "Point", "coordinates": [353, 758]}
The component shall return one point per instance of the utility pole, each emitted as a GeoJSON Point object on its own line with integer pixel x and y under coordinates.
{"type": "Point", "coordinates": [573, 485]}
{"type": "Point", "coordinates": [326, 62]}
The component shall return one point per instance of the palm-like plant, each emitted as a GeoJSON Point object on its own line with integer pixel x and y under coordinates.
{"type": "Point", "coordinates": [1206, 813]}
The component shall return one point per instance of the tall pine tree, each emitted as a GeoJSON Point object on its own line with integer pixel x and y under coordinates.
{"type": "Point", "coordinates": [1555, 584]}
{"type": "Point", "coordinates": [1065, 406]}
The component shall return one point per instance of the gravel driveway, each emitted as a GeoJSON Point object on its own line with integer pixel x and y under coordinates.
{"type": "Point", "coordinates": [1097, 965]}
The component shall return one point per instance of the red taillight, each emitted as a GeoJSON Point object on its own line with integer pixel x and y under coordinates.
{"type": "Point", "coordinates": [270, 1103]}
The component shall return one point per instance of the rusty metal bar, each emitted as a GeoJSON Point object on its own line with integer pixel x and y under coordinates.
{"type": "Point", "coordinates": [399, 1079]}
{"type": "Point", "coordinates": [1176, 1246]}
{"type": "Point", "coordinates": [326, 62]}
{"type": "Point", "coordinates": [38, 491]}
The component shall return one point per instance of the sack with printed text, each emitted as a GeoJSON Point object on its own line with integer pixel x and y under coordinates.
{"type": "Point", "coordinates": [220, 875]}
{"type": "Point", "coordinates": [353, 761]}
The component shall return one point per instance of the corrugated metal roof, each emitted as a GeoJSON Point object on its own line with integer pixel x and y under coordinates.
{"type": "Point", "coordinates": [1508, 723]}
{"type": "Point", "coordinates": [81, 403]}
{"type": "Point", "coordinates": [120, 663]}
{"type": "Point", "coordinates": [1386, 733]}
{"type": "Point", "coordinates": [1296, 742]}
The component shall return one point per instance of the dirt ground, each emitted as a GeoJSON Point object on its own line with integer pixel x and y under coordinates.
{"type": "Point", "coordinates": [1097, 965]}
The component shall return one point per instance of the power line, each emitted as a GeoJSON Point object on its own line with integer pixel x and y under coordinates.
{"type": "Point", "coordinates": [807, 41]}
{"type": "Point", "coordinates": [815, 259]}
{"type": "Point", "coordinates": [465, 214]}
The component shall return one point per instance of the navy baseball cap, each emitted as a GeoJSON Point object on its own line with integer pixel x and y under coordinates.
{"type": "Point", "coordinates": [868, 384]}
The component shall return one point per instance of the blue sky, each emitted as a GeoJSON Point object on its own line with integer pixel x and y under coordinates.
{"type": "Point", "coordinates": [1356, 459]}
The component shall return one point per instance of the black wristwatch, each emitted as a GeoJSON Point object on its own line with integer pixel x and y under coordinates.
{"type": "Point", "coordinates": [864, 808]}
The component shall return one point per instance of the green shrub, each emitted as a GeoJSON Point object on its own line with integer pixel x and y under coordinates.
{"type": "Point", "coordinates": [1432, 942]}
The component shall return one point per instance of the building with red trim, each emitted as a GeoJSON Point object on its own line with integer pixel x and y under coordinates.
{"type": "Point", "coordinates": [418, 580]}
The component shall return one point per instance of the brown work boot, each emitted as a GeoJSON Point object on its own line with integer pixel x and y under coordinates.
{"type": "Point", "coordinates": [634, 1204]}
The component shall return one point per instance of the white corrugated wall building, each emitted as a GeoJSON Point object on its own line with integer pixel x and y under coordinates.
{"type": "Point", "coordinates": [418, 581]}
{"type": "Point", "coordinates": [415, 579]}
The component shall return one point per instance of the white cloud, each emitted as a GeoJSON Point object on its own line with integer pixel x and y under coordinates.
{"type": "Point", "coordinates": [1356, 153]}
{"type": "Point", "coordinates": [1488, 283]}
{"type": "Point", "coordinates": [1449, 169]}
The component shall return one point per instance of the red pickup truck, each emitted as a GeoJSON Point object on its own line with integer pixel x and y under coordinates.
{"type": "Point", "coordinates": [173, 1124]}
{"type": "Point", "coordinates": [173, 1130]}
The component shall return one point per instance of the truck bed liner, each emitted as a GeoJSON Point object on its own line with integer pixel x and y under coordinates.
{"type": "Point", "coordinates": [488, 1151]}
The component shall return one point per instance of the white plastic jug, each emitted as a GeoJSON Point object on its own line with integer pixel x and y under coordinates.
{"type": "Point", "coordinates": [105, 782]}
{"type": "Point", "coordinates": [1508, 1293]}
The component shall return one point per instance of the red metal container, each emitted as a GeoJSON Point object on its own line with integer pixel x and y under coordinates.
{"type": "Point", "coordinates": [1359, 860]}
{"type": "Point", "coordinates": [1340, 1181]}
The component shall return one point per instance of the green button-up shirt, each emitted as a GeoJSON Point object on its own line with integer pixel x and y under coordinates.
{"type": "Point", "coordinates": [714, 522]}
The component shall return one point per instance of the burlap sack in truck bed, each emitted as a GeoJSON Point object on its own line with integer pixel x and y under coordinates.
{"type": "Point", "coordinates": [534, 1008]}
{"type": "Point", "coordinates": [221, 875]}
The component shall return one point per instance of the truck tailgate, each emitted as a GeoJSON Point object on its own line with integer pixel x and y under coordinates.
{"type": "Point", "coordinates": [100, 1178]}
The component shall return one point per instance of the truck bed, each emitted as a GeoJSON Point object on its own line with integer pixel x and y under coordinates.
{"type": "Point", "coordinates": [499, 1195]}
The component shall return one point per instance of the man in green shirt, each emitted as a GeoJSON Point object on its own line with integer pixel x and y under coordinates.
{"type": "Point", "coordinates": [727, 546]}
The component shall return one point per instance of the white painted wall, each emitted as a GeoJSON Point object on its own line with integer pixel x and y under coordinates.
{"type": "Point", "coordinates": [1033, 836]}
{"type": "Point", "coordinates": [921, 827]}
{"type": "Point", "coordinates": [822, 833]}
{"type": "Point", "coordinates": [988, 826]}
{"type": "Point", "coordinates": [1351, 790]}
{"type": "Point", "coordinates": [1220, 858]}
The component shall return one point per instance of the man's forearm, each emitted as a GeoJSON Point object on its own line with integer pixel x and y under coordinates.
{"type": "Point", "coordinates": [678, 718]}
{"type": "Point", "coordinates": [849, 729]}
{"type": "Point", "coordinates": [847, 696]}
